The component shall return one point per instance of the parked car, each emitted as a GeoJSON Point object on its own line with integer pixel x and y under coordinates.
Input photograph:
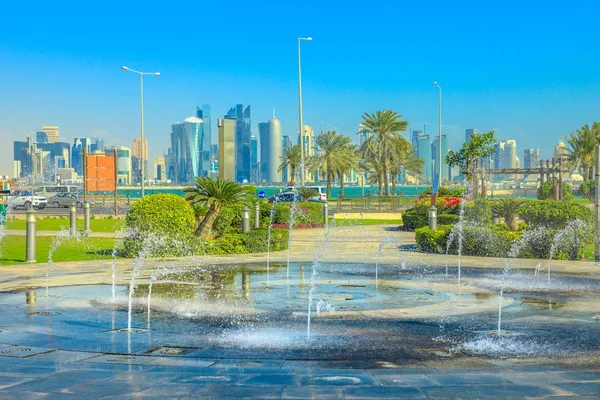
{"type": "Point", "coordinates": [322, 196]}
{"type": "Point", "coordinates": [66, 200]}
{"type": "Point", "coordinates": [285, 197]}
{"type": "Point", "coordinates": [23, 199]}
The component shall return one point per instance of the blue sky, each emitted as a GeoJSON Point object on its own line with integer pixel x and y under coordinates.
{"type": "Point", "coordinates": [528, 71]}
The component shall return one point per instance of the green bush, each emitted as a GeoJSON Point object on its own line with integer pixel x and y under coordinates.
{"type": "Point", "coordinates": [588, 189]}
{"type": "Point", "coordinates": [163, 224]}
{"type": "Point", "coordinates": [478, 211]}
{"type": "Point", "coordinates": [254, 241]}
{"type": "Point", "coordinates": [444, 192]}
{"type": "Point", "coordinates": [412, 219]}
{"type": "Point", "coordinates": [223, 221]}
{"type": "Point", "coordinates": [546, 191]}
{"type": "Point", "coordinates": [432, 241]}
{"type": "Point", "coordinates": [553, 213]}
{"type": "Point", "coordinates": [306, 213]}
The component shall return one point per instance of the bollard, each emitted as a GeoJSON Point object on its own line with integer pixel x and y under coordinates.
{"type": "Point", "coordinates": [73, 219]}
{"type": "Point", "coordinates": [432, 218]}
{"type": "Point", "coordinates": [30, 297]}
{"type": "Point", "coordinates": [256, 215]}
{"type": "Point", "coordinates": [325, 215]}
{"type": "Point", "coordinates": [30, 233]}
{"type": "Point", "coordinates": [245, 219]}
{"type": "Point", "coordinates": [495, 219]}
{"type": "Point", "coordinates": [86, 218]}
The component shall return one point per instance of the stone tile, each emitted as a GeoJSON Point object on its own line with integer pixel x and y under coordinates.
{"type": "Point", "coordinates": [83, 375]}
{"type": "Point", "coordinates": [62, 356]}
{"type": "Point", "coordinates": [119, 359]}
{"type": "Point", "coordinates": [211, 377]}
{"type": "Point", "coordinates": [383, 392]}
{"type": "Point", "coordinates": [519, 390]}
{"type": "Point", "coordinates": [456, 391]}
{"type": "Point", "coordinates": [22, 351]}
{"type": "Point", "coordinates": [312, 392]}
{"type": "Point", "coordinates": [182, 362]}
{"type": "Point", "coordinates": [44, 386]}
{"type": "Point", "coordinates": [577, 376]}
{"type": "Point", "coordinates": [113, 388]}
{"type": "Point", "coordinates": [249, 363]}
{"type": "Point", "coordinates": [270, 380]}
{"type": "Point", "coordinates": [405, 380]}
{"type": "Point", "coordinates": [467, 379]}
{"type": "Point", "coordinates": [8, 381]}
{"type": "Point", "coordinates": [264, 392]}
{"type": "Point", "coordinates": [581, 388]}
{"type": "Point", "coordinates": [173, 390]}
{"type": "Point", "coordinates": [337, 380]}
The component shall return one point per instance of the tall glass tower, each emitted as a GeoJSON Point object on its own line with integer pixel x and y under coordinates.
{"type": "Point", "coordinates": [204, 141]}
{"type": "Point", "coordinates": [243, 134]}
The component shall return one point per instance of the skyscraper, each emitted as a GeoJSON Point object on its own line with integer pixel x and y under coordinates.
{"type": "Point", "coordinates": [254, 159]}
{"type": "Point", "coordinates": [205, 139]}
{"type": "Point", "coordinates": [531, 158]}
{"type": "Point", "coordinates": [469, 132]}
{"type": "Point", "coordinates": [52, 133]}
{"type": "Point", "coordinates": [79, 144]}
{"type": "Point", "coordinates": [186, 154]}
{"type": "Point", "coordinates": [139, 154]}
{"type": "Point", "coordinates": [424, 153]}
{"type": "Point", "coordinates": [308, 148]}
{"type": "Point", "coordinates": [243, 133]}
{"type": "Point", "coordinates": [227, 150]}
{"type": "Point", "coordinates": [435, 153]}
{"type": "Point", "coordinates": [274, 151]}
{"type": "Point", "coordinates": [160, 169]}
{"type": "Point", "coordinates": [263, 131]}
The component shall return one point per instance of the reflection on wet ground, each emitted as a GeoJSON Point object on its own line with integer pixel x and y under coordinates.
{"type": "Point", "coordinates": [406, 314]}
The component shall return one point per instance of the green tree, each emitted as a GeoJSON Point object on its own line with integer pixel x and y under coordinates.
{"type": "Point", "coordinates": [404, 160]}
{"type": "Point", "coordinates": [215, 195]}
{"type": "Point", "coordinates": [508, 208]}
{"type": "Point", "coordinates": [580, 147]}
{"type": "Point", "coordinates": [479, 147]}
{"type": "Point", "coordinates": [384, 127]}
{"type": "Point", "coordinates": [291, 160]}
{"type": "Point", "coordinates": [332, 155]}
{"type": "Point", "coordinates": [546, 191]}
{"type": "Point", "coordinates": [306, 193]}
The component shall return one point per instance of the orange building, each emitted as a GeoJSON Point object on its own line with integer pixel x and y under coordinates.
{"type": "Point", "coordinates": [100, 172]}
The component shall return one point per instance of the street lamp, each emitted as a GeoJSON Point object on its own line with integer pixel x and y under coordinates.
{"type": "Point", "coordinates": [141, 74]}
{"type": "Point", "coordinates": [440, 136]}
{"type": "Point", "coordinates": [308, 39]}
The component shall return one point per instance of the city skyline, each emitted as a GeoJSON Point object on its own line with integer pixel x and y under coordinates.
{"type": "Point", "coordinates": [523, 84]}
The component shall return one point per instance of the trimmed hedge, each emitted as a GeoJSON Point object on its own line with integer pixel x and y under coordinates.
{"type": "Point", "coordinates": [162, 225]}
{"type": "Point", "coordinates": [412, 220]}
{"type": "Point", "coordinates": [255, 241]}
{"type": "Point", "coordinates": [553, 213]}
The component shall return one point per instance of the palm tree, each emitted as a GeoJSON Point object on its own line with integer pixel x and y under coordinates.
{"type": "Point", "coordinates": [384, 125]}
{"type": "Point", "coordinates": [332, 155]}
{"type": "Point", "coordinates": [291, 158]}
{"type": "Point", "coordinates": [214, 194]}
{"type": "Point", "coordinates": [508, 207]}
{"type": "Point", "coordinates": [306, 193]}
{"type": "Point", "coordinates": [581, 145]}
{"type": "Point", "coordinates": [352, 158]}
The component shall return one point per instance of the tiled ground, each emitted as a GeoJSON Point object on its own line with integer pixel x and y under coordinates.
{"type": "Point", "coordinates": [61, 374]}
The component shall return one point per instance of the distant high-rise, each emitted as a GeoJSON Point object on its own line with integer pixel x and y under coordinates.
{"type": "Point", "coordinates": [424, 153]}
{"type": "Point", "coordinates": [263, 132]}
{"type": "Point", "coordinates": [52, 133]}
{"type": "Point", "coordinates": [560, 150]}
{"type": "Point", "coordinates": [243, 133]}
{"type": "Point", "coordinates": [469, 132]}
{"type": "Point", "coordinates": [435, 153]}
{"type": "Point", "coordinates": [186, 154]}
{"type": "Point", "coordinates": [227, 148]}
{"type": "Point", "coordinates": [79, 144]}
{"type": "Point", "coordinates": [160, 169]}
{"type": "Point", "coordinates": [139, 154]}
{"type": "Point", "coordinates": [531, 158]}
{"type": "Point", "coordinates": [274, 151]}
{"type": "Point", "coordinates": [363, 134]}
{"type": "Point", "coordinates": [205, 139]}
{"type": "Point", "coordinates": [308, 148]}
{"type": "Point", "coordinates": [254, 177]}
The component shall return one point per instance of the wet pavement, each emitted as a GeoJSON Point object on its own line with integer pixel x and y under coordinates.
{"type": "Point", "coordinates": [412, 333]}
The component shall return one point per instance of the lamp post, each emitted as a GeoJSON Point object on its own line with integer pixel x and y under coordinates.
{"type": "Point", "coordinates": [308, 39]}
{"type": "Point", "coordinates": [440, 135]}
{"type": "Point", "coordinates": [141, 74]}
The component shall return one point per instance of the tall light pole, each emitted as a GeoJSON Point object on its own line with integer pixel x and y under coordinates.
{"type": "Point", "coordinates": [141, 74]}
{"type": "Point", "coordinates": [301, 134]}
{"type": "Point", "coordinates": [440, 136]}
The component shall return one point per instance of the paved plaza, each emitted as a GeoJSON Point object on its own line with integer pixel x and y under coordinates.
{"type": "Point", "coordinates": [43, 355]}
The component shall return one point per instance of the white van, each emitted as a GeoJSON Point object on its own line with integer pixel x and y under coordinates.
{"type": "Point", "coordinates": [321, 189]}
{"type": "Point", "coordinates": [51, 190]}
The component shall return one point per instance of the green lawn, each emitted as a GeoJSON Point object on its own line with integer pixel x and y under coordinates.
{"type": "Point", "coordinates": [52, 224]}
{"type": "Point", "coordinates": [347, 222]}
{"type": "Point", "coordinates": [12, 249]}
{"type": "Point", "coordinates": [583, 201]}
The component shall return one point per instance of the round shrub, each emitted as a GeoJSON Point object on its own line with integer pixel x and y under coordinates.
{"type": "Point", "coordinates": [546, 191]}
{"type": "Point", "coordinates": [162, 224]}
{"type": "Point", "coordinates": [588, 189]}
{"type": "Point", "coordinates": [553, 213]}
